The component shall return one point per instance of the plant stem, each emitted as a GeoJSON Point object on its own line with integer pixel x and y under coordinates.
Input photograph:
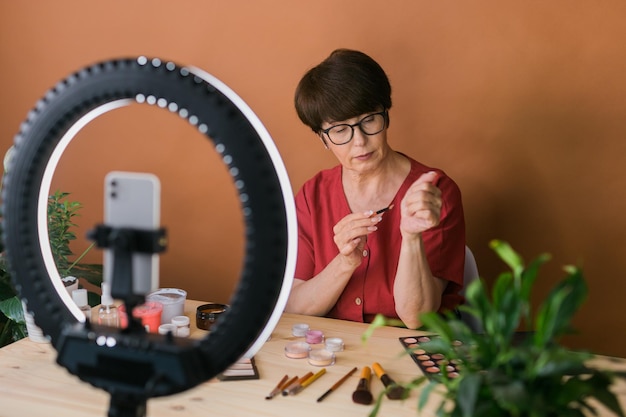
{"type": "Point", "coordinates": [82, 255]}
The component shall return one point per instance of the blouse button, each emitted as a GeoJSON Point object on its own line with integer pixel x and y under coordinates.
{"type": "Point", "coordinates": [365, 253]}
{"type": "Point", "coordinates": [357, 301]}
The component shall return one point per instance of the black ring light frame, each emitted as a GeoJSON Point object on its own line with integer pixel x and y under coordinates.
{"type": "Point", "coordinates": [163, 365]}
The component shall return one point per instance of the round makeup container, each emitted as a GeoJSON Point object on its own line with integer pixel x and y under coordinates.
{"type": "Point", "coordinates": [321, 357]}
{"type": "Point", "coordinates": [314, 337]}
{"type": "Point", "coordinates": [334, 344]}
{"type": "Point", "coordinates": [149, 313]}
{"type": "Point", "coordinates": [300, 329]}
{"type": "Point", "coordinates": [182, 326]}
{"type": "Point", "coordinates": [297, 350]}
{"type": "Point", "coordinates": [167, 328]}
{"type": "Point", "coordinates": [173, 301]}
{"type": "Point", "coordinates": [207, 314]}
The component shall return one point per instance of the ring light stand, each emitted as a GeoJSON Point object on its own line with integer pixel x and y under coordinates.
{"type": "Point", "coordinates": [134, 366]}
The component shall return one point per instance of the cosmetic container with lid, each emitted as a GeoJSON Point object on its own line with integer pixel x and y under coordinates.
{"type": "Point", "coordinates": [207, 314]}
{"type": "Point", "coordinates": [297, 350]}
{"type": "Point", "coordinates": [167, 328]}
{"type": "Point", "coordinates": [334, 344]}
{"type": "Point", "coordinates": [321, 357]}
{"type": "Point", "coordinates": [299, 329]}
{"type": "Point", "coordinates": [182, 326]}
{"type": "Point", "coordinates": [80, 298]}
{"type": "Point", "coordinates": [314, 336]}
{"type": "Point", "coordinates": [172, 300]}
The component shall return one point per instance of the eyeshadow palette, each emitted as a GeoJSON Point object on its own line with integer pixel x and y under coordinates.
{"type": "Point", "coordinates": [242, 369]}
{"type": "Point", "coordinates": [435, 364]}
{"type": "Point", "coordinates": [431, 364]}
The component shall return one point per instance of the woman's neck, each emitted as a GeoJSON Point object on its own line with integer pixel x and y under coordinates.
{"type": "Point", "coordinates": [376, 189]}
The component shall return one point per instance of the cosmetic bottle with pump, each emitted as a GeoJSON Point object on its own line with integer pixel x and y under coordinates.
{"type": "Point", "coordinates": [107, 313]}
{"type": "Point", "coordinates": [80, 298]}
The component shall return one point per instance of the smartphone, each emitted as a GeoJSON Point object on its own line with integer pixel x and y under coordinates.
{"type": "Point", "coordinates": [133, 200]}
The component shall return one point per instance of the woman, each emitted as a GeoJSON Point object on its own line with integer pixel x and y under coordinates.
{"type": "Point", "coordinates": [354, 259]}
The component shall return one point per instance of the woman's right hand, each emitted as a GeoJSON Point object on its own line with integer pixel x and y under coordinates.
{"type": "Point", "coordinates": [351, 234]}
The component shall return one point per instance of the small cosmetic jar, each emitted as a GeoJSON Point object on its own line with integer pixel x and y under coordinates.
{"type": "Point", "coordinates": [321, 357]}
{"type": "Point", "coordinates": [297, 350]}
{"type": "Point", "coordinates": [300, 329]}
{"type": "Point", "coordinates": [181, 323]}
{"type": "Point", "coordinates": [149, 313]}
{"type": "Point", "coordinates": [314, 337]}
{"type": "Point", "coordinates": [173, 301]}
{"type": "Point", "coordinates": [207, 314]}
{"type": "Point", "coordinates": [167, 328]}
{"type": "Point", "coordinates": [334, 344]}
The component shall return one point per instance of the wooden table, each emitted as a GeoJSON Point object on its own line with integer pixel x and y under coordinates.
{"type": "Point", "coordinates": [32, 384]}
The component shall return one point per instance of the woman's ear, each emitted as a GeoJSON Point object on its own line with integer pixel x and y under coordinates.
{"type": "Point", "coordinates": [324, 140]}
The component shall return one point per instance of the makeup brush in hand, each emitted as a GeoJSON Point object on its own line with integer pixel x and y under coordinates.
{"type": "Point", "coordinates": [362, 394]}
{"type": "Point", "coordinates": [393, 391]}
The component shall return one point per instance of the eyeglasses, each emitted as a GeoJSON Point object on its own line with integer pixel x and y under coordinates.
{"type": "Point", "coordinates": [370, 125]}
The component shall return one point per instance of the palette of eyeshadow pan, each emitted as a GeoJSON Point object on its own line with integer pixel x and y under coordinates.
{"type": "Point", "coordinates": [431, 364]}
{"type": "Point", "coordinates": [435, 364]}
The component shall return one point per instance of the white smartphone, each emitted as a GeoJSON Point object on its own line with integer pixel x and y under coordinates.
{"type": "Point", "coordinates": [132, 200]}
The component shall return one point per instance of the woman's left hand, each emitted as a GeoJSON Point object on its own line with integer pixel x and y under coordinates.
{"type": "Point", "coordinates": [421, 206]}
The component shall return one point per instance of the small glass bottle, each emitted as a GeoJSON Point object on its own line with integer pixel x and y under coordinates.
{"type": "Point", "coordinates": [80, 298]}
{"type": "Point", "coordinates": [107, 313]}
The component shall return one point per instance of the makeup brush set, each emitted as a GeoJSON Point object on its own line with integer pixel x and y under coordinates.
{"type": "Point", "coordinates": [361, 395]}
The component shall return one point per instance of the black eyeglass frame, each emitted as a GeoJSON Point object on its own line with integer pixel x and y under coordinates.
{"type": "Point", "coordinates": [384, 113]}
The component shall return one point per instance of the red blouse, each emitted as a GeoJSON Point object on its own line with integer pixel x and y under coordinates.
{"type": "Point", "coordinates": [321, 203]}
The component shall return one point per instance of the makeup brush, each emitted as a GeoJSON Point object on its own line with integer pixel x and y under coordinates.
{"type": "Point", "coordinates": [278, 388]}
{"type": "Point", "coordinates": [337, 384]}
{"type": "Point", "coordinates": [308, 382]}
{"type": "Point", "coordinates": [362, 394]}
{"type": "Point", "coordinates": [296, 384]}
{"type": "Point", "coordinates": [393, 391]}
{"type": "Point", "coordinates": [385, 209]}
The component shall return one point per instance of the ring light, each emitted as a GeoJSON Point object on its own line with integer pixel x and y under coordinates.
{"type": "Point", "coordinates": [165, 366]}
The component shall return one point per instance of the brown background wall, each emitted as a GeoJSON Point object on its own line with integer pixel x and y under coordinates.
{"type": "Point", "coordinates": [521, 102]}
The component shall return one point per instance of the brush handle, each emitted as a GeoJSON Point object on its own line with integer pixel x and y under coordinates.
{"type": "Point", "coordinates": [379, 371]}
{"type": "Point", "coordinates": [382, 375]}
{"type": "Point", "coordinates": [366, 373]}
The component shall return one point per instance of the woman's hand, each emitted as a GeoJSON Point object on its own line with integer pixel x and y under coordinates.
{"type": "Point", "coordinates": [351, 233]}
{"type": "Point", "coordinates": [421, 206]}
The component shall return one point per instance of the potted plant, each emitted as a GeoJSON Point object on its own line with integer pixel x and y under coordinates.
{"type": "Point", "coordinates": [61, 214]}
{"type": "Point", "coordinates": [503, 374]}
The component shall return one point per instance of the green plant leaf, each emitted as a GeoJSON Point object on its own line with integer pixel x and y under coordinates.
{"type": "Point", "coordinates": [12, 308]}
{"type": "Point", "coordinates": [467, 394]}
{"type": "Point", "coordinates": [529, 276]}
{"type": "Point", "coordinates": [508, 255]}
{"type": "Point", "coordinates": [423, 398]}
{"type": "Point", "coordinates": [508, 307]}
{"type": "Point", "coordinates": [435, 323]}
{"type": "Point", "coordinates": [379, 321]}
{"type": "Point", "coordinates": [511, 395]}
{"type": "Point", "coordinates": [558, 308]}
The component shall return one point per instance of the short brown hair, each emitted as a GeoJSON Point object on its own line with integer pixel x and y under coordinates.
{"type": "Point", "coordinates": [346, 84]}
